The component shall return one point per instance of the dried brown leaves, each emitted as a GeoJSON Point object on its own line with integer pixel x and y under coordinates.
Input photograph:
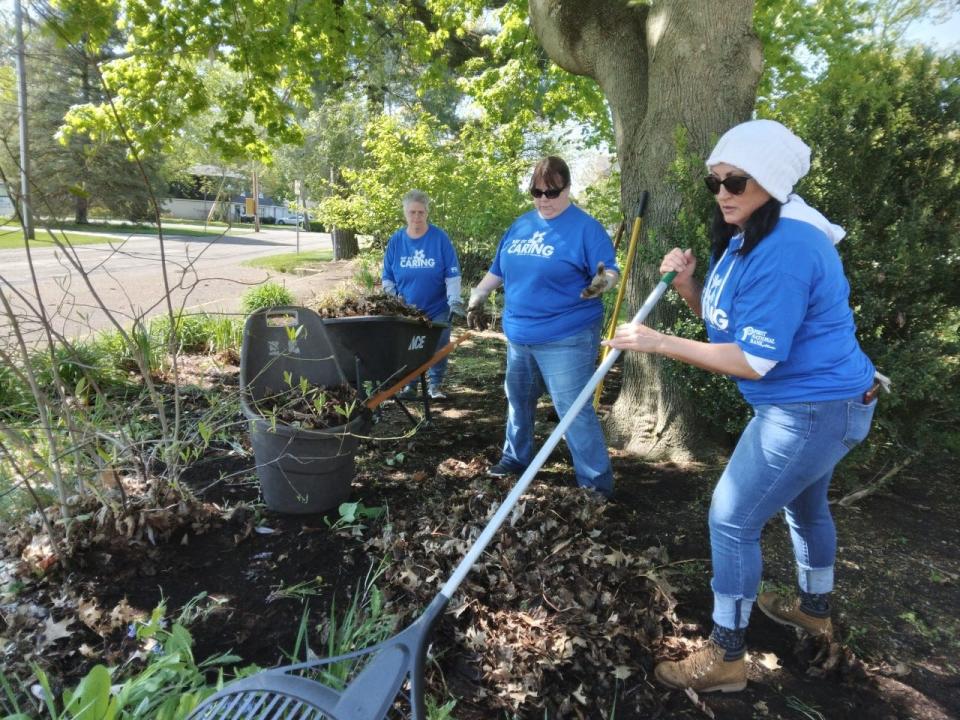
{"type": "Point", "coordinates": [378, 303]}
{"type": "Point", "coordinates": [555, 596]}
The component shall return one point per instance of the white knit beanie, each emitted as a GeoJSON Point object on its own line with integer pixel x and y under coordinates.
{"type": "Point", "coordinates": [767, 152]}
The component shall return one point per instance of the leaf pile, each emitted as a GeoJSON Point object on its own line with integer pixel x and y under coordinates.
{"type": "Point", "coordinates": [375, 303]}
{"type": "Point", "coordinates": [311, 407]}
{"type": "Point", "coordinates": [554, 618]}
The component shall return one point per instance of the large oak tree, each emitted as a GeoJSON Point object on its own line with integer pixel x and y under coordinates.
{"type": "Point", "coordinates": [693, 65]}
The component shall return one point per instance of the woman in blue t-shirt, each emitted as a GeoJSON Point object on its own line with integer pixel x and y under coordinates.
{"type": "Point", "coordinates": [420, 266]}
{"type": "Point", "coordinates": [553, 263]}
{"type": "Point", "coordinates": [776, 306]}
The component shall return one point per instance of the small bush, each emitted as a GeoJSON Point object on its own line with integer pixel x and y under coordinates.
{"type": "Point", "coordinates": [269, 294]}
{"type": "Point", "coordinates": [80, 361]}
{"type": "Point", "coordinates": [115, 351]}
{"type": "Point", "coordinates": [15, 397]}
{"type": "Point", "coordinates": [193, 332]}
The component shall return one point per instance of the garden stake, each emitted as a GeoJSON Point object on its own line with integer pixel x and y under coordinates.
{"type": "Point", "coordinates": [286, 692]}
{"type": "Point", "coordinates": [628, 265]}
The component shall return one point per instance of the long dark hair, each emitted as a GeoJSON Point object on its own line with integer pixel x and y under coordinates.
{"type": "Point", "coordinates": [760, 224]}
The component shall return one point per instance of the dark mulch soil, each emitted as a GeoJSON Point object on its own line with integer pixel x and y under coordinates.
{"type": "Point", "coordinates": [572, 605]}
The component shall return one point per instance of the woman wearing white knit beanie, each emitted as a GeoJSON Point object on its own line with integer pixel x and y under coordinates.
{"type": "Point", "coordinates": [776, 305]}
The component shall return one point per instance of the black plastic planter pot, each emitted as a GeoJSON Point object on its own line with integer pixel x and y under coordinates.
{"type": "Point", "coordinates": [301, 471]}
{"type": "Point", "coordinates": [304, 471]}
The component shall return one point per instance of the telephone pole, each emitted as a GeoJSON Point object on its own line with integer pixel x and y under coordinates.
{"type": "Point", "coordinates": [25, 215]}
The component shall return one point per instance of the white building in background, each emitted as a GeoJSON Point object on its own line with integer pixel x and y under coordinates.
{"type": "Point", "coordinates": [6, 204]}
{"type": "Point", "coordinates": [232, 206]}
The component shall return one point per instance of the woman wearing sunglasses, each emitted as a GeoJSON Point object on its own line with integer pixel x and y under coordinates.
{"type": "Point", "coordinates": [776, 306]}
{"type": "Point", "coordinates": [420, 265]}
{"type": "Point", "coordinates": [553, 263]}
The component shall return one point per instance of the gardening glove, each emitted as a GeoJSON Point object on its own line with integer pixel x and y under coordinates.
{"type": "Point", "coordinates": [477, 316]}
{"type": "Point", "coordinates": [390, 288]}
{"type": "Point", "coordinates": [600, 283]}
{"type": "Point", "coordinates": [458, 315]}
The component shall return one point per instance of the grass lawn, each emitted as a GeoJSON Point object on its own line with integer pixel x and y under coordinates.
{"type": "Point", "coordinates": [288, 262]}
{"type": "Point", "coordinates": [144, 229]}
{"type": "Point", "coordinates": [11, 236]}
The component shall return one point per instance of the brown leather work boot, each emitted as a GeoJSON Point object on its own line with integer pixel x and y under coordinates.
{"type": "Point", "coordinates": [786, 611]}
{"type": "Point", "coordinates": [704, 670]}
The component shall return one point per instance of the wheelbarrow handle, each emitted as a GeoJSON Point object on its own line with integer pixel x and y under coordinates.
{"type": "Point", "coordinates": [413, 375]}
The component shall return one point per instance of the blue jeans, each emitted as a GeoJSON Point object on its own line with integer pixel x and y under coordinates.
{"type": "Point", "coordinates": [562, 368]}
{"type": "Point", "coordinates": [784, 460]}
{"type": "Point", "coordinates": [436, 373]}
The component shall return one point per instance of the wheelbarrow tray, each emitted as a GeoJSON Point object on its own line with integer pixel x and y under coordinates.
{"type": "Point", "coordinates": [381, 347]}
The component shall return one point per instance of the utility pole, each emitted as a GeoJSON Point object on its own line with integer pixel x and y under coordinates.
{"type": "Point", "coordinates": [25, 215]}
{"type": "Point", "coordinates": [256, 201]}
{"type": "Point", "coordinates": [297, 215]}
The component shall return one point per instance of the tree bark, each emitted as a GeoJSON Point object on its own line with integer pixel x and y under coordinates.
{"type": "Point", "coordinates": [666, 65]}
{"type": "Point", "coordinates": [345, 245]}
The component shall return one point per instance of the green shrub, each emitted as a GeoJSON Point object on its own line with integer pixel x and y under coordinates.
{"type": "Point", "coordinates": [224, 333]}
{"type": "Point", "coordinates": [79, 365]}
{"type": "Point", "coordinates": [269, 294]}
{"type": "Point", "coordinates": [16, 400]}
{"type": "Point", "coordinates": [885, 131]}
{"type": "Point", "coordinates": [115, 351]}
{"type": "Point", "coordinates": [192, 332]}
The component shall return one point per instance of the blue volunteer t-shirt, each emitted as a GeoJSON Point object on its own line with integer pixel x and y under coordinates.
{"type": "Point", "coordinates": [545, 264]}
{"type": "Point", "coordinates": [788, 300]}
{"type": "Point", "coordinates": [420, 268]}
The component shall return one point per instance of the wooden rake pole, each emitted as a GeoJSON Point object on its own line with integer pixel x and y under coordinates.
{"type": "Point", "coordinates": [414, 374]}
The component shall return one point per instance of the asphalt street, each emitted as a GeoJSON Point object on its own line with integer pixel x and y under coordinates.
{"type": "Point", "coordinates": [205, 274]}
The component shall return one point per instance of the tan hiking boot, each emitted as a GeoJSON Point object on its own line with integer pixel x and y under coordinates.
{"type": "Point", "coordinates": [704, 670]}
{"type": "Point", "coordinates": [786, 611]}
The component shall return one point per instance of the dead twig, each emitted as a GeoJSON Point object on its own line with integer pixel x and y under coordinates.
{"type": "Point", "coordinates": [870, 489]}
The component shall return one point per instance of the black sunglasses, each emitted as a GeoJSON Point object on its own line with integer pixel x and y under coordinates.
{"type": "Point", "coordinates": [551, 194]}
{"type": "Point", "coordinates": [735, 184]}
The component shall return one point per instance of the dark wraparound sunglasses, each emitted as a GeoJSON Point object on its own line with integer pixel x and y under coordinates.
{"type": "Point", "coordinates": [735, 184]}
{"type": "Point", "coordinates": [551, 194]}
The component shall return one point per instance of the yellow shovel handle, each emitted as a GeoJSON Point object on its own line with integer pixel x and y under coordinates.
{"type": "Point", "coordinates": [622, 290]}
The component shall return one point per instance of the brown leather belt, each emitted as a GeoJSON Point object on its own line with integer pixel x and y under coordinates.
{"type": "Point", "coordinates": [870, 395]}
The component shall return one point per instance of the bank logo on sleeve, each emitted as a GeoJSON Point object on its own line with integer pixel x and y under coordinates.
{"type": "Point", "coordinates": [419, 260]}
{"type": "Point", "coordinates": [533, 246]}
{"type": "Point", "coordinates": [758, 337]}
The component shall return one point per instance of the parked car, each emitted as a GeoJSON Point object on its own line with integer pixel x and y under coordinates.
{"type": "Point", "coordinates": [298, 220]}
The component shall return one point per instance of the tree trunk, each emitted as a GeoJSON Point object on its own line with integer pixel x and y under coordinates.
{"type": "Point", "coordinates": [82, 207]}
{"type": "Point", "coordinates": [345, 245]}
{"type": "Point", "coordinates": [662, 66]}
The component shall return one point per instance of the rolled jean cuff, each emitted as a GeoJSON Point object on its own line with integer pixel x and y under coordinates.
{"type": "Point", "coordinates": [731, 612]}
{"type": "Point", "coordinates": [815, 580]}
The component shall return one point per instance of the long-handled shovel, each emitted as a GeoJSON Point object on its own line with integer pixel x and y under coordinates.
{"type": "Point", "coordinates": [621, 291]}
{"type": "Point", "coordinates": [285, 692]}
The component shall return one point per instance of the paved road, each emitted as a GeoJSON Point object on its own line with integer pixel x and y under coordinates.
{"type": "Point", "coordinates": [206, 274]}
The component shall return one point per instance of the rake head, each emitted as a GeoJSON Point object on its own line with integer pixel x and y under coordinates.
{"type": "Point", "coordinates": [304, 691]}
